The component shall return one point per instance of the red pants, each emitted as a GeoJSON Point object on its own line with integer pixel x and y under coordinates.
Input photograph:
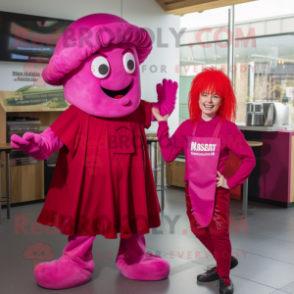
{"type": "Point", "coordinates": [215, 237]}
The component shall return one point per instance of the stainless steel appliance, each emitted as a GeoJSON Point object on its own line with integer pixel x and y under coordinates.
{"type": "Point", "coordinates": [19, 126]}
{"type": "Point", "coordinates": [266, 114]}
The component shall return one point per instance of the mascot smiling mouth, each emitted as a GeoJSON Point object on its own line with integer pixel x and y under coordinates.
{"type": "Point", "coordinates": [117, 94]}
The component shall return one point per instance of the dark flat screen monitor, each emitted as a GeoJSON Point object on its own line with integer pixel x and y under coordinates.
{"type": "Point", "coordinates": [29, 38]}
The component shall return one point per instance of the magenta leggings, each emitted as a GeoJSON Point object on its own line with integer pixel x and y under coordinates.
{"type": "Point", "coordinates": [215, 237]}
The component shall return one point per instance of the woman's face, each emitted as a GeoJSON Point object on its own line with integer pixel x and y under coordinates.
{"type": "Point", "coordinates": [209, 104]}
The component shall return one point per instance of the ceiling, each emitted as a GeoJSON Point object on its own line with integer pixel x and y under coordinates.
{"type": "Point", "coordinates": [181, 7]}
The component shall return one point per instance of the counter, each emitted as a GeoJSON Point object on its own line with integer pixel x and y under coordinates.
{"type": "Point", "coordinates": [242, 126]}
{"type": "Point", "coordinates": [27, 181]}
{"type": "Point", "coordinates": [270, 181]}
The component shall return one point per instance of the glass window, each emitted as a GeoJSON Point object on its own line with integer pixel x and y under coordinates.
{"type": "Point", "coordinates": [264, 69]}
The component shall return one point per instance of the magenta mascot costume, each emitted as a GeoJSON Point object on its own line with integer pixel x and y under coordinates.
{"type": "Point", "coordinates": [103, 181]}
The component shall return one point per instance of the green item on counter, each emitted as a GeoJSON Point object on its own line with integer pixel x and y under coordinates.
{"type": "Point", "coordinates": [23, 89]}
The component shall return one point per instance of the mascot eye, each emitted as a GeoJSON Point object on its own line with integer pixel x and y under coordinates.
{"type": "Point", "coordinates": [129, 62]}
{"type": "Point", "coordinates": [100, 67]}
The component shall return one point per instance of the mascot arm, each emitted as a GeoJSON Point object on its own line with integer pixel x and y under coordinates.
{"type": "Point", "coordinates": [166, 94]}
{"type": "Point", "coordinates": [38, 146]}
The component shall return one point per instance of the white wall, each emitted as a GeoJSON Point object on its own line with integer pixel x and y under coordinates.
{"type": "Point", "coordinates": [243, 12]}
{"type": "Point", "coordinates": [143, 13]}
{"type": "Point", "coordinates": [67, 9]}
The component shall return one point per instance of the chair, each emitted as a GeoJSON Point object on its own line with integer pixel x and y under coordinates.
{"type": "Point", "coordinates": [245, 185]}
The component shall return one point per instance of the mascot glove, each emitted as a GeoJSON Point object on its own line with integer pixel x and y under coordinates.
{"type": "Point", "coordinates": [166, 93]}
{"type": "Point", "coordinates": [38, 146]}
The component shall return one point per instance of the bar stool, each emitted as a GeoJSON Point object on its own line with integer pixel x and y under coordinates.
{"type": "Point", "coordinates": [245, 185]}
{"type": "Point", "coordinates": [150, 140]}
{"type": "Point", "coordinates": [6, 148]}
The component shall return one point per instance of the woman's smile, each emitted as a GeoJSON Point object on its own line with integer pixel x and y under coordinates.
{"type": "Point", "coordinates": [209, 105]}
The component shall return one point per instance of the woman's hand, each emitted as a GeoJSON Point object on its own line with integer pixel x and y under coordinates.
{"type": "Point", "coordinates": [158, 116]}
{"type": "Point", "coordinates": [221, 181]}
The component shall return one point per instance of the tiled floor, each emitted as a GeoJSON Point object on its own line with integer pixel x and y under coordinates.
{"type": "Point", "coordinates": [264, 246]}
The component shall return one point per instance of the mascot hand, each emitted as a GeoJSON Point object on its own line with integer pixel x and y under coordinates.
{"type": "Point", "coordinates": [166, 93]}
{"type": "Point", "coordinates": [38, 146]}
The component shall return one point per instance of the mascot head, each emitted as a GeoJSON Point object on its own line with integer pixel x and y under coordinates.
{"type": "Point", "coordinates": [97, 61]}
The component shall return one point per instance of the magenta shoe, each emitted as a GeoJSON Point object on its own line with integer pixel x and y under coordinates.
{"type": "Point", "coordinates": [74, 268]}
{"type": "Point", "coordinates": [149, 268]}
{"type": "Point", "coordinates": [135, 264]}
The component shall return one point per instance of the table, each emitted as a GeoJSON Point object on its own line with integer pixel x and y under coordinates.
{"type": "Point", "coordinates": [153, 139]}
{"type": "Point", "coordinates": [245, 185]}
{"type": "Point", "coordinates": [6, 148]}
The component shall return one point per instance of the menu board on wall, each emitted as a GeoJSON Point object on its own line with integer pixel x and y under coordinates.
{"type": "Point", "coordinates": [29, 38]}
{"type": "Point", "coordinates": [22, 88]}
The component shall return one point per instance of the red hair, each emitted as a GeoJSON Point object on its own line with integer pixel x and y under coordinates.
{"type": "Point", "coordinates": [212, 81]}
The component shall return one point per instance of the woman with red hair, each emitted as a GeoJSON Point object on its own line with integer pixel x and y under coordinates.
{"type": "Point", "coordinates": [206, 139]}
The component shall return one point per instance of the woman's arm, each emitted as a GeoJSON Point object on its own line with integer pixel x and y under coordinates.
{"type": "Point", "coordinates": [170, 147]}
{"type": "Point", "coordinates": [238, 145]}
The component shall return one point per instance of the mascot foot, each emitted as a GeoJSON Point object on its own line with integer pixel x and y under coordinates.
{"type": "Point", "coordinates": [74, 268]}
{"type": "Point", "coordinates": [149, 268]}
{"type": "Point", "coordinates": [135, 264]}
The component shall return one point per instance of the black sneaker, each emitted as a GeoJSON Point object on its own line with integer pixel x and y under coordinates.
{"type": "Point", "coordinates": [212, 274]}
{"type": "Point", "coordinates": [226, 286]}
